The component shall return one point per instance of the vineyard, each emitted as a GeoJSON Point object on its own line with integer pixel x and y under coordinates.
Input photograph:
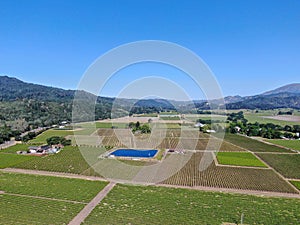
{"type": "Point", "coordinates": [228, 177]}
{"type": "Point", "coordinates": [233, 151]}
{"type": "Point", "coordinates": [286, 164]}
{"type": "Point", "coordinates": [31, 199]}
{"type": "Point", "coordinates": [69, 160]}
{"type": "Point", "coordinates": [188, 139]}
{"type": "Point", "coordinates": [251, 144]}
{"type": "Point", "coordinates": [127, 204]}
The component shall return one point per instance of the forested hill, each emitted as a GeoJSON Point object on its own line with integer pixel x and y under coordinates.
{"type": "Point", "coordinates": [12, 89]}
{"type": "Point", "coordinates": [271, 101]}
{"type": "Point", "coordinates": [41, 105]}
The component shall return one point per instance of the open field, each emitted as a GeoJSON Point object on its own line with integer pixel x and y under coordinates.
{"type": "Point", "coordinates": [109, 125]}
{"type": "Point", "coordinates": [10, 160]}
{"type": "Point", "coordinates": [267, 117]}
{"type": "Point", "coordinates": [27, 210]}
{"type": "Point", "coordinates": [251, 144]}
{"type": "Point", "coordinates": [228, 177]}
{"type": "Point", "coordinates": [41, 139]}
{"type": "Point", "coordinates": [292, 144]}
{"type": "Point", "coordinates": [239, 159]}
{"type": "Point", "coordinates": [146, 115]}
{"type": "Point", "coordinates": [169, 118]}
{"type": "Point", "coordinates": [50, 187]}
{"type": "Point", "coordinates": [195, 117]}
{"type": "Point", "coordinates": [286, 164]}
{"type": "Point", "coordinates": [160, 205]}
{"type": "Point", "coordinates": [15, 148]}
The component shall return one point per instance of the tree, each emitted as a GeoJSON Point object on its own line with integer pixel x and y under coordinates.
{"type": "Point", "coordinates": [54, 140]}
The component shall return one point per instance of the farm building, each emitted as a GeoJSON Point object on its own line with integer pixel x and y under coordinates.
{"type": "Point", "coordinates": [42, 150]}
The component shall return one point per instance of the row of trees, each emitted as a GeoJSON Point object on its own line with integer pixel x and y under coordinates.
{"type": "Point", "coordinates": [238, 124]}
{"type": "Point", "coordinates": [144, 129]}
{"type": "Point", "coordinates": [58, 140]}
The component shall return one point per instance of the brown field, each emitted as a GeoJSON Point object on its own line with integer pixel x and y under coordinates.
{"type": "Point", "coordinates": [288, 118]}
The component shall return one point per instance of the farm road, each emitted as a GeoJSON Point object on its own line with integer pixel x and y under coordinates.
{"type": "Point", "coordinates": [80, 217]}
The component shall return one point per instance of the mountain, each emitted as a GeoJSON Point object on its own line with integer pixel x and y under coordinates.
{"type": "Point", "coordinates": [12, 89]}
{"type": "Point", "coordinates": [42, 105]}
{"type": "Point", "coordinates": [290, 88]}
{"type": "Point", "coordinates": [287, 96]}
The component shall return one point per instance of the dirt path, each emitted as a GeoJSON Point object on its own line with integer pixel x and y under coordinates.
{"type": "Point", "coordinates": [81, 216]}
{"type": "Point", "coordinates": [44, 198]}
{"type": "Point", "coordinates": [237, 191]}
{"type": "Point", "coordinates": [7, 144]}
{"type": "Point", "coordinates": [54, 174]}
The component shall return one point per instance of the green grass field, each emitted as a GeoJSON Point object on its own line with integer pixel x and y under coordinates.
{"type": "Point", "coordinates": [146, 115]}
{"type": "Point", "coordinates": [22, 201]}
{"type": "Point", "coordinates": [169, 113]}
{"type": "Point", "coordinates": [169, 118]}
{"type": "Point", "coordinates": [259, 117]}
{"type": "Point", "coordinates": [251, 144]}
{"type": "Point", "coordinates": [50, 187]}
{"type": "Point", "coordinates": [239, 159]}
{"type": "Point", "coordinates": [286, 164]}
{"type": "Point", "coordinates": [296, 184]}
{"type": "Point", "coordinates": [10, 160]}
{"type": "Point", "coordinates": [13, 149]}
{"type": "Point", "coordinates": [41, 139]}
{"type": "Point", "coordinates": [69, 160]}
{"type": "Point", "coordinates": [109, 125]}
{"type": "Point", "coordinates": [160, 205]}
{"type": "Point", "coordinates": [26, 210]}
{"type": "Point", "coordinates": [292, 144]}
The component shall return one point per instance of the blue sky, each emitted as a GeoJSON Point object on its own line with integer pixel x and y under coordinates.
{"type": "Point", "coordinates": [251, 46]}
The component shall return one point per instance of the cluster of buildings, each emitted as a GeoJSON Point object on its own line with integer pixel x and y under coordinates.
{"type": "Point", "coordinates": [42, 150]}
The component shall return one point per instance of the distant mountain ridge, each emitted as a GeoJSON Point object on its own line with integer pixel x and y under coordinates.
{"type": "Point", "coordinates": [290, 88]}
{"type": "Point", "coordinates": [287, 96]}
{"type": "Point", "coordinates": [13, 89]}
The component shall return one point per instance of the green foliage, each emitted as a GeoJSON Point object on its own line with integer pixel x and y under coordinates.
{"type": "Point", "coordinates": [238, 124]}
{"type": "Point", "coordinates": [29, 210]}
{"type": "Point", "coordinates": [144, 129]}
{"type": "Point", "coordinates": [50, 186]}
{"type": "Point", "coordinates": [296, 183]}
{"type": "Point", "coordinates": [251, 144]}
{"type": "Point", "coordinates": [13, 149]}
{"type": "Point", "coordinates": [169, 118]}
{"type": "Point", "coordinates": [111, 125]}
{"type": "Point", "coordinates": [239, 159]}
{"type": "Point", "coordinates": [160, 205]}
{"type": "Point", "coordinates": [286, 164]}
{"type": "Point", "coordinates": [42, 138]}
{"type": "Point", "coordinates": [292, 144]}
{"type": "Point", "coordinates": [68, 160]}
{"type": "Point", "coordinates": [11, 160]}
{"type": "Point", "coordinates": [54, 140]}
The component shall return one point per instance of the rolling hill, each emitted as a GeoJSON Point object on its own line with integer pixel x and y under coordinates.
{"type": "Point", "coordinates": [42, 105]}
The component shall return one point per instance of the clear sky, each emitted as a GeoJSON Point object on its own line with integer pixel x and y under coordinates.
{"type": "Point", "coordinates": [251, 46]}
